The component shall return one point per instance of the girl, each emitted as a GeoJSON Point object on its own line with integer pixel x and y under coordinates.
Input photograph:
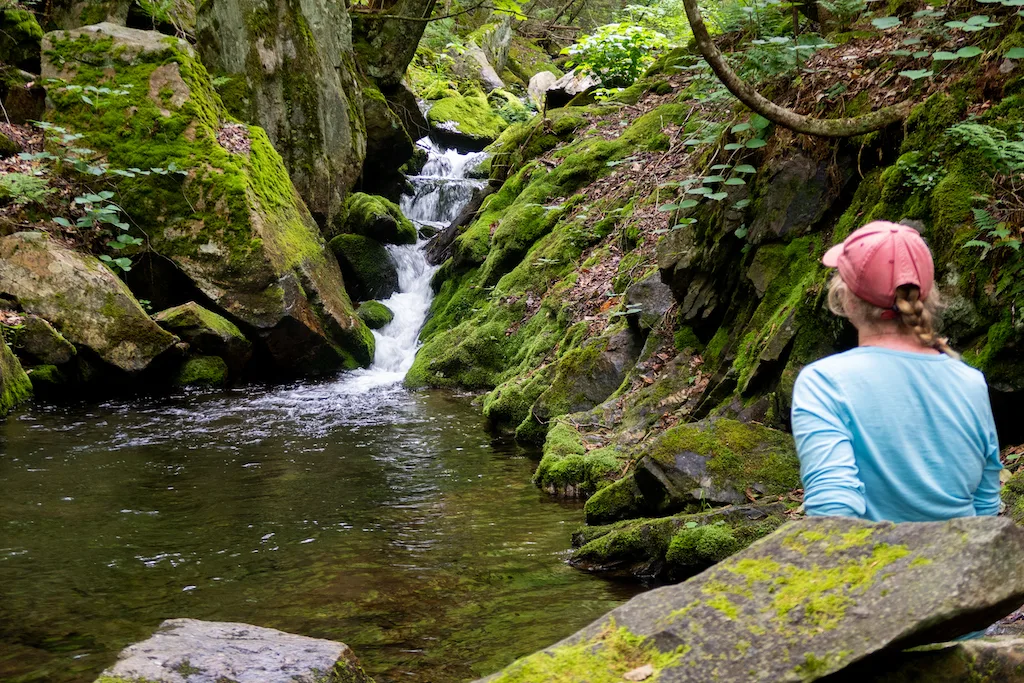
{"type": "Point", "coordinates": [898, 428]}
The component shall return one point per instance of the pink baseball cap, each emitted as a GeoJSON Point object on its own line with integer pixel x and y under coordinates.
{"type": "Point", "coordinates": [878, 258]}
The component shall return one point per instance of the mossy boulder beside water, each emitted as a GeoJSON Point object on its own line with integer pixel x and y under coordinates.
{"type": "Point", "coordinates": [38, 340]}
{"type": "Point", "coordinates": [15, 385]}
{"type": "Point", "coordinates": [806, 601]}
{"type": "Point", "coordinates": [379, 219]}
{"type": "Point", "coordinates": [233, 223]}
{"type": "Point", "coordinates": [375, 314]}
{"type": "Point", "coordinates": [297, 67]}
{"type": "Point", "coordinates": [82, 298]}
{"type": "Point", "coordinates": [207, 333]}
{"type": "Point", "coordinates": [202, 370]}
{"type": "Point", "coordinates": [466, 122]}
{"type": "Point", "coordinates": [369, 271]}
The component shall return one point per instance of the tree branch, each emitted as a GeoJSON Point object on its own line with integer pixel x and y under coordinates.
{"type": "Point", "coordinates": [425, 20]}
{"type": "Point", "coordinates": [787, 118]}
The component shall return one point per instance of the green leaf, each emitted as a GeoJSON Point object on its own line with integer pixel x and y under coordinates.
{"type": "Point", "coordinates": [745, 168]}
{"type": "Point", "coordinates": [900, 53]}
{"type": "Point", "coordinates": [720, 167]}
{"type": "Point", "coordinates": [884, 23]}
{"type": "Point", "coordinates": [740, 127]}
{"type": "Point", "coordinates": [969, 51]}
{"type": "Point", "coordinates": [733, 146]}
{"type": "Point", "coordinates": [699, 190]}
{"type": "Point", "coordinates": [693, 142]}
{"type": "Point", "coordinates": [107, 259]}
{"type": "Point", "coordinates": [917, 74]}
{"type": "Point", "coordinates": [1015, 53]}
{"type": "Point", "coordinates": [735, 181]}
{"type": "Point", "coordinates": [944, 56]}
{"type": "Point", "coordinates": [741, 204]}
{"type": "Point", "coordinates": [912, 40]}
{"type": "Point", "coordinates": [760, 122]}
{"type": "Point", "coordinates": [666, 208]}
{"type": "Point", "coordinates": [756, 143]}
{"type": "Point", "coordinates": [921, 54]}
{"type": "Point", "coordinates": [718, 196]}
{"type": "Point", "coordinates": [742, 232]}
{"type": "Point", "coordinates": [688, 203]}
{"type": "Point", "coordinates": [59, 220]}
{"type": "Point", "coordinates": [713, 179]}
{"type": "Point", "coordinates": [976, 243]}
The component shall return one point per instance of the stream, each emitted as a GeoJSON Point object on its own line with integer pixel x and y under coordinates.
{"type": "Point", "coordinates": [348, 509]}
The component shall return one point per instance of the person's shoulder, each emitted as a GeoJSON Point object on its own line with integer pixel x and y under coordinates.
{"type": "Point", "coordinates": [835, 365]}
{"type": "Point", "coordinates": [969, 374]}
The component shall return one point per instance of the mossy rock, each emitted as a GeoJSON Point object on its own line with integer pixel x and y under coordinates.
{"type": "Point", "coordinates": [233, 223]}
{"type": "Point", "coordinates": [41, 342]}
{"type": "Point", "coordinates": [673, 548]}
{"type": "Point", "coordinates": [375, 314]}
{"type": "Point", "coordinates": [207, 333]}
{"type": "Point", "coordinates": [800, 604]}
{"type": "Point", "coordinates": [1013, 496]}
{"type": "Point", "coordinates": [715, 462]}
{"type": "Point", "coordinates": [301, 85]}
{"type": "Point", "coordinates": [15, 386]}
{"type": "Point", "coordinates": [569, 469]}
{"type": "Point", "coordinates": [202, 370]}
{"type": "Point", "coordinates": [465, 122]}
{"type": "Point", "coordinates": [8, 148]}
{"type": "Point", "coordinates": [379, 219]}
{"type": "Point", "coordinates": [47, 380]}
{"type": "Point", "coordinates": [20, 39]}
{"type": "Point", "coordinates": [368, 269]}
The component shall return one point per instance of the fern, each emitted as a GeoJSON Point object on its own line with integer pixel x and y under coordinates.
{"type": "Point", "coordinates": [1006, 155]}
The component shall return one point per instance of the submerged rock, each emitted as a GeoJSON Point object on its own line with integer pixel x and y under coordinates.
{"type": "Point", "coordinates": [15, 386]}
{"type": "Point", "coordinates": [82, 298]}
{"type": "Point", "coordinates": [234, 223]}
{"type": "Point", "coordinates": [802, 603]}
{"type": "Point", "coordinates": [215, 652]}
{"type": "Point", "coordinates": [207, 333]}
{"type": "Point", "coordinates": [375, 314]}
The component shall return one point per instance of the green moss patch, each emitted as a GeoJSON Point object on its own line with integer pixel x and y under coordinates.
{"type": "Point", "coordinates": [375, 314]}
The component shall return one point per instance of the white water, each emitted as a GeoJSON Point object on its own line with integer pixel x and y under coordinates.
{"type": "Point", "coordinates": [441, 192]}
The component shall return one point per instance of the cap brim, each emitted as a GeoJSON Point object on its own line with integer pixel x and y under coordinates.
{"type": "Point", "coordinates": [831, 257]}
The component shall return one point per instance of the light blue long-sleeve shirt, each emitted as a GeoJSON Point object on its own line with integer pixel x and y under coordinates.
{"type": "Point", "coordinates": [895, 435]}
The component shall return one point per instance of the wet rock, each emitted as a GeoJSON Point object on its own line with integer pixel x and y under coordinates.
{"type": "Point", "coordinates": [797, 197]}
{"type": "Point", "coordinates": [298, 79]}
{"type": "Point", "coordinates": [567, 87]}
{"type": "Point", "coordinates": [83, 300]}
{"type": "Point", "coordinates": [207, 333]}
{"type": "Point", "coordinates": [379, 219]}
{"type": "Point", "coordinates": [716, 461]}
{"type": "Point", "coordinates": [984, 660]}
{"type": "Point", "coordinates": [40, 341]}
{"type": "Point", "coordinates": [672, 547]}
{"type": "Point", "coordinates": [375, 314]}
{"type": "Point", "coordinates": [439, 249]}
{"type": "Point", "coordinates": [388, 143]}
{"type": "Point", "coordinates": [807, 601]}
{"type": "Point", "coordinates": [202, 370]}
{"type": "Point", "coordinates": [465, 123]}
{"type": "Point", "coordinates": [47, 380]}
{"type": "Point", "coordinates": [214, 652]}
{"type": "Point", "coordinates": [15, 386]}
{"type": "Point", "coordinates": [368, 269]}
{"type": "Point", "coordinates": [653, 298]}
{"type": "Point", "coordinates": [234, 224]}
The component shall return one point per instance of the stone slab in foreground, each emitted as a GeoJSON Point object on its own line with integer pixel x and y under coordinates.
{"type": "Point", "coordinates": [800, 604]}
{"type": "Point", "coordinates": [193, 651]}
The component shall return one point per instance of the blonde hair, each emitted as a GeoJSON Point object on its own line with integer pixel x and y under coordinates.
{"type": "Point", "coordinates": [916, 316]}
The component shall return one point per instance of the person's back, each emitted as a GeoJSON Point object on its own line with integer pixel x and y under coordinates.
{"type": "Point", "coordinates": [898, 429]}
{"type": "Point", "coordinates": [921, 433]}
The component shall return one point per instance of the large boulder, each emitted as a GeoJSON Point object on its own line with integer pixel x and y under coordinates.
{"type": "Point", "coordinates": [20, 37]}
{"type": "Point", "coordinates": [41, 342]}
{"type": "Point", "coordinates": [217, 651]}
{"type": "Point", "coordinates": [978, 660]}
{"type": "Point", "coordinates": [466, 123]}
{"type": "Point", "coordinates": [539, 85]}
{"type": "Point", "coordinates": [297, 65]}
{"type": "Point", "coordinates": [82, 298]}
{"type": "Point", "coordinates": [386, 44]}
{"type": "Point", "coordinates": [807, 601]}
{"type": "Point", "coordinates": [375, 314]}
{"type": "Point", "coordinates": [207, 333]}
{"type": "Point", "coordinates": [233, 223]}
{"type": "Point", "coordinates": [388, 143]}
{"type": "Point", "coordinates": [15, 386]}
{"type": "Point", "coordinates": [567, 87]}
{"type": "Point", "coordinates": [368, 267]}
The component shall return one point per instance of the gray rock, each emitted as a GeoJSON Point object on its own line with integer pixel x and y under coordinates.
{"type": "Point", "coordinates": [207, 333]}
{"type": "Point", "coordinates": [82, 298]}
{"type": "Point", "coordinates": [495, 39]}
{"type": "Point", "coordinates": [807, 601]}
{"type": "Point", "coordinates": [386, 47]}
{"type": "Point", "coordinates": [473, 63]}
{"type": "Point", "coordinates": [567, 87]}
{"type": "Point", "coordinates": [298, 65]}
{"type": "Point", "coordinates": [653, 297]}
{"type": "Point", "coordinates": [193, 651]}
{"type": "Point", "coordinates": [986, 660]}
{"type": "Point", "coordinates": [132, 45]}
{"type": "Point", "coordinates": [797, 196]}
{"type": "Point", "coordinates": [42, 342]}
{"type": "Point", "coordinates": [539, 85]}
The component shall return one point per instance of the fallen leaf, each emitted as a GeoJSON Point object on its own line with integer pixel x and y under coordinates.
{"type": "Point", "coordinates": [641, 674]}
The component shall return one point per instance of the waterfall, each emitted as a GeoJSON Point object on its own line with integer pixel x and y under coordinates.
{"type": "Point", "coordinates": [440, 193]}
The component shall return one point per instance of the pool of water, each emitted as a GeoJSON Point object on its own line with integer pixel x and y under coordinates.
{"type": "Point", "coordinates": [389, 520]}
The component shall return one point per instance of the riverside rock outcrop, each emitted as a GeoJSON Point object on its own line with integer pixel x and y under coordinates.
{"type": "Point", "coordinates": [809, 600]}
{"type": "Point", "coordinates": [86, 303]}
{"type": "Point", "coordinates": [297, 79]}
{"type": "Point", "coordinates": [228, 217]}
{"type": "Point", "coordinates": [212, 652]}
{"type": "Point", "coordinates": [15, 386]}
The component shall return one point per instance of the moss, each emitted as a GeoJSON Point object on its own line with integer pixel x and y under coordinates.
{"type": "Point", "coordinates": [366, 265]}
{"type": "Point", "coordinates": [46, 379]}
{"type": "Point", "coordinates": [20, 38]}
{"type": "Point", "coordinates": [702, 545]}
{"type": "Point", "coordinates": [619, 500]}
{"type": "Point", "coordinates": [375, 314]}
{"type": "Point", "coordinates": [379, 219]}
{"type": "Point", "coordinates": [471, 117]}
{"type": "Point", "coordinates": [15, 385]}
{"type": "Point", "coordinates": [200, 370]}
{"type": "Point", "coordinates": [603, 658]}
{"type": "Point", "coordinates": [193, 318]}
{"type": "Point", "coordinates": [1013, 496]}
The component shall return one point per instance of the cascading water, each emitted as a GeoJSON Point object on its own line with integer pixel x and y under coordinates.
{"type": "Point", "coordinates": [440, 193]}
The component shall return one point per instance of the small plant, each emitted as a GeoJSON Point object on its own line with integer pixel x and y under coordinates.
{"type": "Point", "coordinates": [1005, 154]}
{"type": "Point", "coordinates": [616, 54]}
{"type": "Point", "coordinates": [999, 234]}
{"type": "Point", "coordinates": [24, 188]}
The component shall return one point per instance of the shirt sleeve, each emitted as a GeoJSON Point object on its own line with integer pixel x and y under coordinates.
{"type": "Point", "coordinates": [832, 485]}
{"type": "Point", "coordinates": [986, 497]}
